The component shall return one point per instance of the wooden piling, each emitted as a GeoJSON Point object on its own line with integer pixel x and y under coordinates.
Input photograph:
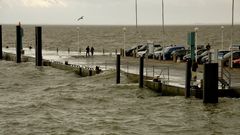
{"type": "Point", "coordinates": [68, 50]}
{"type": "Point", "coordinates": [210, 83]}
{"type": "Point", "coordinates": [38, 54]}
{"type": "Point", "coordinates": [90, 72]}
{"type": "Point", "coordinates": [18, 45]}
{"type": "Point", "coordinates": [188, 79]}
{"type": "Point", "coordinates": [141, 71]}
{"type": "Point", "coordinates": [118, 69]}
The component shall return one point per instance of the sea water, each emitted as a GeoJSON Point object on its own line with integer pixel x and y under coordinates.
{"type": "Point", "coordinates": [110, 38]}
{"type": "Point", "coordinates": [49, 101]}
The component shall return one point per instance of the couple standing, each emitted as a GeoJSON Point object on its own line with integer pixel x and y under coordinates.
{"type": "Point", "coordinates": [88, 51]}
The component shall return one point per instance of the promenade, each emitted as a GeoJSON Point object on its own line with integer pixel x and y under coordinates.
{"type": "Point", "coordinates": [169, 71]}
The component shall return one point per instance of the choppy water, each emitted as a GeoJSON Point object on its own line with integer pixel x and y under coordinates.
{"type": "Point", "coordinates": [37, 101]}
{"type": "Point", "coordinates": [111, 37]}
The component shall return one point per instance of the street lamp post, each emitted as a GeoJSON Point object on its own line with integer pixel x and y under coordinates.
{"type": "Point", "coordinates": [232, 34]}
{"type": "Point", "coordinates": [124, 40]}
{"type": "Point", "coordinates": [196, 42]}
{"type": "Point", "coordinates": [222, 30]}
{"type": "Point", "coordinates": [136, 13]}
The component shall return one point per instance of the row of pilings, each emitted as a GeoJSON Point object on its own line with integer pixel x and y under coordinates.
{"type": "Point", "coordinates": [19, 46]}
{"type": "Point", "coordinates": [210, 79]}
{"type": "Point", "coordinates": [82, 71]}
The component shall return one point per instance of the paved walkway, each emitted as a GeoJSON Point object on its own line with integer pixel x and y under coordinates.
{"type": "Point", "coordinates": [173, 73]}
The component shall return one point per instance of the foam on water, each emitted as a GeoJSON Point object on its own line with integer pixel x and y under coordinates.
{"type": "Point", "coordinates": [50, 101]}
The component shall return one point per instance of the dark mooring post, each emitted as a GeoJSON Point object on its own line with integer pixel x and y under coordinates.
{"type": "Point", "coordinates": [210, 85]}
{"type": "Point", "coordinates": [188, 79]}
{"type": "Point", "coordinates": [141, 71]}
{"type": "Point", "coordinates": [38, 54]}
{"type": "Point", "coordinates": [18, 45]}
{"type": "Point", "coordinates": [1, 56]}
{"type": "Point", "coordinates": [118, 69]}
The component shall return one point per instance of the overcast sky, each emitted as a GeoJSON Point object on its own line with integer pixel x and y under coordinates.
{"type": "Point", "coordinates": [117, 12]}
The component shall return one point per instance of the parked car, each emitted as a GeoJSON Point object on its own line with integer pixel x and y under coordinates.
{"type": "Point", "coordinates": [143, 48]}
{"type": "Point", "coordinates": [237, 61]}
{"type": "Point", "coordinates": [158, 54]}
{"type": "Point", "coordinates": [188, 56]}
{"type": "Point", "coordinates": [151, 54]}
{"type": "Point", "coordinates": [148, 50]}
{"type": "Point", "coordinates": [142, 51]}
{"type": "Point", "coordinates": [129, 52]}
{"type": "Point", "coordinates": [226, 57]}
{"type": "Point", "coordinates": [199, 57]}
{"type": "Point", "coordinates": [204, 59]}
{"type": "Point", "coordinates": [221, 54]}
{"type": "Point", "coordinates": [168, 50]}
{"type": "Point", "coordinates": [179, 53]}
{"type": "Point", "coordinates": [235, 54]}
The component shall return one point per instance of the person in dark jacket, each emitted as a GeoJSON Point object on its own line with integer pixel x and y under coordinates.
{"type": "Point", "coordinates": [87, 51]}
{"type": "Point", "coordinates": [194, 70]}
{"type": "Point", "coordinates": [92, 51]}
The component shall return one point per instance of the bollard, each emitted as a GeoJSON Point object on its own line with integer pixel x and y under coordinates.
{"type": "Point", "coordinates": [38, 34]}
{"type": "Point", "coordinates": [188, 79]}
{"type": "Point", "coordinates": [103, 52]}
{"type": "Point", "coordinates": [174, 57]}
{"type": "Point", "coordinates": [141, 71]}
{"type": "Point", "coordinates": [68, 50]}
{"type": "Point", "coordinates": [90, 72]}
{"type": "Point", "coordinates": [1, 56]}
{"type": "Point", "coordinates": [80, 71]}
{"type": "Point", "coordinates": [210, 83]}
{"type": "Point", "coordinates": [66, 63]}
{"type": "Point", "coordinates": [98, 70]}
{"type": "Point", "coordinates": [118, 69]}
{"type": "Point", "coordinates": [121, 52]}
{"type": "Point", "coordinates": [116, 51]}
{"type": "Point", "coordinates": [18, 45]}
{"type": "Point", "coordinates": [57, 50]}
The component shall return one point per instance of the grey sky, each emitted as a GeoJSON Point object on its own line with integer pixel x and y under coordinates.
{"type": "Point", "coordinates": [117, 11]}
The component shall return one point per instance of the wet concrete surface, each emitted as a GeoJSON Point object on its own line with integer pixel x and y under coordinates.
{"type": "Point", "coordinates": [169, 71]}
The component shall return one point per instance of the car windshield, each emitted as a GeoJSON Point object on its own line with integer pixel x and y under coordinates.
{"type": "Point", "coordinates": [166, 49]}
{"type": "Point", "coordinates": [199, 52]}
{"type": "Point", "coordinates": [158, 49]}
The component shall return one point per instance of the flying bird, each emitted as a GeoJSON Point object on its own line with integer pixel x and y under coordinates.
{"type": "Point", "coordinates": [80, 18]}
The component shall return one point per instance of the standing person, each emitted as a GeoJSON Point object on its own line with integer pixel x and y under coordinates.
{"type": "Point", "coordinates": [87, 51]}
{"type": "Point", "coordinates": [194, 71]}
{"type": "Point", "coordinates": [208, 47]}
{"type": "Point", "coordinates": [92, 50]}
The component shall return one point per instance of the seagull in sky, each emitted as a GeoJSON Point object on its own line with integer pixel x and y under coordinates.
{"type": "Point", "coordinates": [80, 18]}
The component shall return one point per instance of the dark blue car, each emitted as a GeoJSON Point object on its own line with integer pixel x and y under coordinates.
{"type": "Point", "coordinates": [168, 50]}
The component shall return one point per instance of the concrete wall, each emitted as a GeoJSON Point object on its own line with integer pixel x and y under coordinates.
{"type": "Point", "coordinates": [82, 71]}
{"type": "Point", "coordinates": [164, 89]}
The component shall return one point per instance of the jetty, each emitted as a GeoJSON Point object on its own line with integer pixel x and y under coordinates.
{"type": "Point", "coordinates": [168, 78]}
